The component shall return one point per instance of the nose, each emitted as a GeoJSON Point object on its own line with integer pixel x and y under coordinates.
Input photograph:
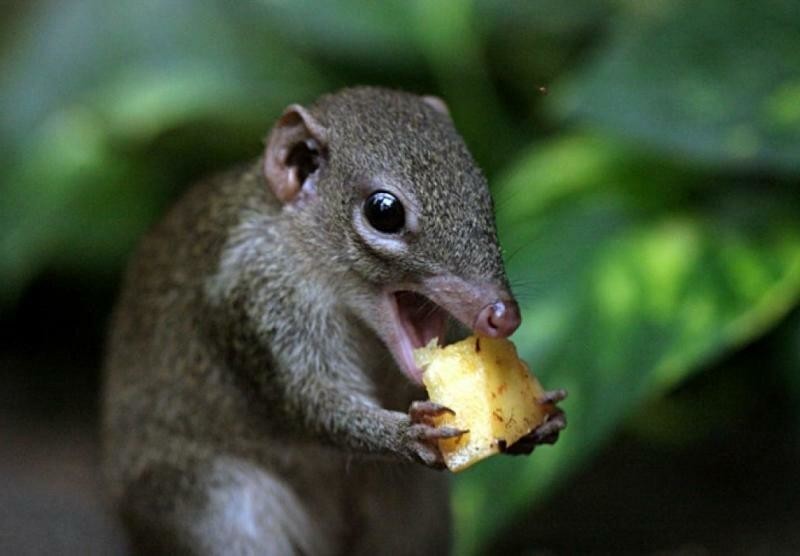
{"type": "Point", "coordinates": [498, 320]}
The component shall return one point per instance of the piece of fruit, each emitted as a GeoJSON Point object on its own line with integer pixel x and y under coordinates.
{"type": "Point", "coordinates": [492, 392]}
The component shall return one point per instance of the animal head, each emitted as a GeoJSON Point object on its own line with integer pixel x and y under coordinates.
{"type": "Point", "coordinates": [384, 188]}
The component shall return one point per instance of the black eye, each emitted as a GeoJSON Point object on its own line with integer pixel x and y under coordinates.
{"type": "Point", "coordinates": [385, 212]}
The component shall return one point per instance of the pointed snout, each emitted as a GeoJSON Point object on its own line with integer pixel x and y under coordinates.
{"type": "Point", "coordinates": [498, 319]}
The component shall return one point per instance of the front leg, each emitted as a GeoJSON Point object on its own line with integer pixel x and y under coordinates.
{"type": "Point", "coordinates": [356, 423]}
{"type": "Point", "coordinates": [306, 362]}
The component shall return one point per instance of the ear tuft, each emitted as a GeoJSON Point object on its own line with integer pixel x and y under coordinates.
{"type": "Point", "coordinates": [295, 150]}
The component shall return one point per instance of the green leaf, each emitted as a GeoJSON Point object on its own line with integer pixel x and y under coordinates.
{"type": "Point", "coordinates": [450, 35]}
{"type": "Point", "coordinates": [71, 201]}
{"type": "Point", "coordinates": [623, 299]}
{"type": "Point", "coordinates": [715, 81]}
{"type": "Point", "coordinates": [81, 109]}
{"type": "Point", "coordinates": [378, 36]}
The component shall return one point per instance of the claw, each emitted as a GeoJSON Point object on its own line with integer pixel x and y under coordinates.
{"type": "Point", "coordinates": [425, 432]}
{"type": "Point", "coordinates": [421, 411]}
{"type": "Point", "coordinates": [448, 432]}
{"type": "Point", "coordinates": [552, 396]}
{"type": "Point", "coordinates": [546, 433]}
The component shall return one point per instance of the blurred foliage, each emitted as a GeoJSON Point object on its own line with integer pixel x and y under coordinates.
{"type": "Point", "coordinates": [644, 157]}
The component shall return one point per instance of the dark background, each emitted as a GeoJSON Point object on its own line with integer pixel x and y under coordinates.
{"type": "Point", "coordinates": [644, 157]}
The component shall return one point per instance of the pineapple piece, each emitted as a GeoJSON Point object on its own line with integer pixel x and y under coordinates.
{"type": "Point", "coordinates": [492, 392]}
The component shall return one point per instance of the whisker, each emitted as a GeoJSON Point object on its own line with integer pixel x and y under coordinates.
{"type": "Point", "coordinates": [429, 307]}
{"type": "Point", "coordinates": [503, 197]}
{"type": "Point", "coordinates": [525, 283]}
{"type": "Point", "coordinates": [516, 252]}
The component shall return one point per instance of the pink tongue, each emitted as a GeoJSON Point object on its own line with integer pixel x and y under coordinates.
{"type": "Point", "coordinates": [422, 319]}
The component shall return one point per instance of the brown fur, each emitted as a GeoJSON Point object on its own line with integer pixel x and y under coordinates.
{"type": "Point", "coordinates": [249, 405]}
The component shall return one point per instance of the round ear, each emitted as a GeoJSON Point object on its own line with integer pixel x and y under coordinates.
{"type": "Point", "coordinates": [437, 104]}
{"type": "Point", "coordinates": [296, 147]}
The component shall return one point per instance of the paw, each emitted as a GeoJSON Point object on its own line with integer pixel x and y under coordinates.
{"type": "Point", "coordinates": [546, 433]}
{"type": "Point", "coordinates": [422, 436]}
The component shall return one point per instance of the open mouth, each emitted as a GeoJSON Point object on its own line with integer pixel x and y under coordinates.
{"type": "Point", "coordinates": [417, 321]}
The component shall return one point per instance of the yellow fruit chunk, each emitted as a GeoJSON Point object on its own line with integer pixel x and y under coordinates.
{"type": "Point", "coordinates": [491, 391]}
